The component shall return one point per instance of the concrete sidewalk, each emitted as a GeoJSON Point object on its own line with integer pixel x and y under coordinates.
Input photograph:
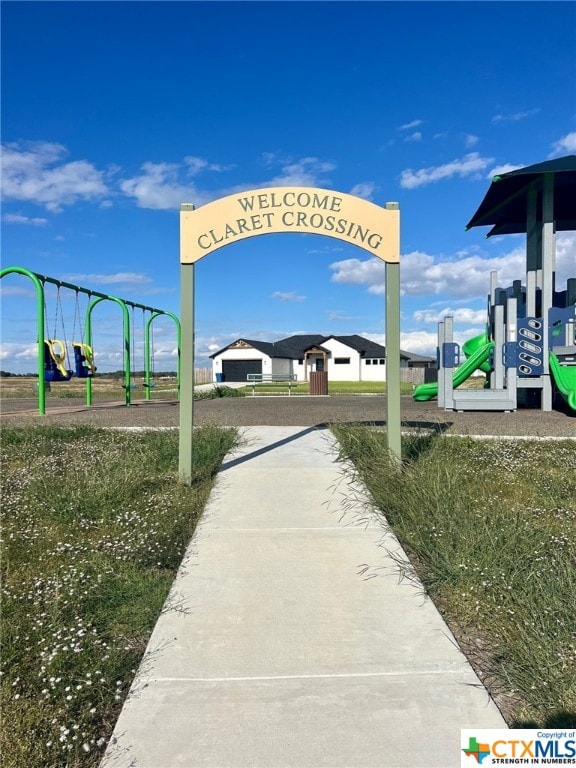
{"type": "Point", "coordinates": [287, 640]}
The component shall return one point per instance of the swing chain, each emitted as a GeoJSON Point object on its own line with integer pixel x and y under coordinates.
{"type": "Point", "coordinates": [133, 345]}
{"type": "Point", "coordinates": [59, 310]}
{"type": "Point", "coordinates": [77, 320]}
{"type": "Point", "coordinates": [152, 351]}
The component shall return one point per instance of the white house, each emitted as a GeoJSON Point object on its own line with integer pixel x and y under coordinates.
{"type": "Point", "coordinates": [346, 358]}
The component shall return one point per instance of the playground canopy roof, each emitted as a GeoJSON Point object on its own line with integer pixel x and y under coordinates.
{"type": "Point", "coordinates": [505, 204]}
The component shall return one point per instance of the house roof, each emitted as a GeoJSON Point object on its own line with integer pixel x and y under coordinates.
{"type": "Point", "coordinates": [294, 347]}
{"type": "Point", "coordinates": [267, 347]}
{"type": "Point", "coordinates": [366, 347]}
{"type": "Point", "coordinates": [418, 358]}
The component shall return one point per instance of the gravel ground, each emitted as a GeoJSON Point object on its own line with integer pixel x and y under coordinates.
{"type": "Point", "coordinates": [290, 411]}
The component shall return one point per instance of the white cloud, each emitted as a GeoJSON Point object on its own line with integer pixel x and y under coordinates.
{"type": "Point", "coordinates": [460, 276]}
{"type": "Point", "coordinates": [422, 342]}
{"type": "Point", "coordinates": [460, 315]}
{"type": "Point", "coordinates": [18, 353]}
{"type": "Point", "coordinates": [342, 317]}
{"type": "Point", "coordinates": [364, 189]}
{"type": "Point", "coordinates": [515, 116]}
{"type": "Point", "coordinates": [564, 145]}
{"type": "Point", "coordinates": [565, 258]}
{"type": "Point", "coordinates": [164, 186]}
{"type": "Point", "coordinates": [465, 166]}
{"type": "Point", "coordinates": [410, 125]}
{"type": "Point", "coordinates": [289, 296]}
{"type": "Point", "coordinates": [34, 172]}
{"type": "Point", "coordinates": [419, 342]}
{"type": "Point", "coordinates": [369, 272]}
{"type": "Point", "coordinates": [159, 188]}
{"type": "Point", "coordinates": [16, 290]}
{"type": "Point", "coordinates": [498, 170]}
{"type": "Point", "coordinates": [471, 140]}
{"type": "Point", "coordinates": [18, 218]}
{"type": "Point", "coordinates": [126, 278]}
{"type": "Point", "coordinates": [307, 172]}
{"type": "Point", "coordinates": [416, 136]}
{"type": "Point", "coordinates": [196, 165]}
{"type": "Point", "coordinates": [273, 158]}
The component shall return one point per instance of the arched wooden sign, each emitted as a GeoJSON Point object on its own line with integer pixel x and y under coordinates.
{"type": "Point", "coordinates": [305, 210]}
{"type": "Point", "coordinates": [273, 210]}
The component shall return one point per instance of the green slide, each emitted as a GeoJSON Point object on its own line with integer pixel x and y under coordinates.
{"type": "Point", "coordinates": [476, 360]}
{"type": "Point", "coordinates": [473, 345]}
{"type": "Point", "coordinates": [565, 378]}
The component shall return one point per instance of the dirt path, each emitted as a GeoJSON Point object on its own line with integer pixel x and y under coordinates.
{"type": "Point", "coordinates": [288, 411]}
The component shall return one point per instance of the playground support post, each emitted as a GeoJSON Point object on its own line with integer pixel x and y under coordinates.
{"type": "Point", "coordinates": [148, 352]}
{"type": "Point", "coordinates": [126, 325]}
{"type": "Point", "coordinates": [186, 440]}
{"type": "Point", "coordinates": [393, 420]}
{"type": "Point", "coordinates": [548, 270]}
{"type": "Point", "coordinates": [39, 285]}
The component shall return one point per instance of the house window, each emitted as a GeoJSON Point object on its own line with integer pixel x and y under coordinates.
{"type": "Point", "coordinates": [368, 362]}
{"type": "Point", "coordinates": [342, 361]}
{"type": "Point", "coordinates": [381, 361]}
{"type": "Point", "coordinates": [300, 361]}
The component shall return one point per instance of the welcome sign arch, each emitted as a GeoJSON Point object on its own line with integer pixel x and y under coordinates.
{"type": "Point", "coordinates": [273, 210]}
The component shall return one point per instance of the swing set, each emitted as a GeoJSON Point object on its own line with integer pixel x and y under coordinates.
{"type": "Point", "coordinates": [56, 351]}
{"type": "Point", "coordinates": [53, 358]}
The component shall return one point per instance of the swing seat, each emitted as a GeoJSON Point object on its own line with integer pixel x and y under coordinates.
{"type": "Point", "coordinates": [150, 386]}
{"type": "Point", "coordinates": [83, 360]}
{"type": "Point", "coordinates": [130, 386]}
{"type": "Point", "coordinates": [54, 359]}
{"type": "Point", "coordinates": [57, 375]}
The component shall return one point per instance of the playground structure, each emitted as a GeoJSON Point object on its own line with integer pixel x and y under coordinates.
{"type": "Point", "coordinates": [53, 357]}
{"type": "Point", "coordinates": [528, 351]}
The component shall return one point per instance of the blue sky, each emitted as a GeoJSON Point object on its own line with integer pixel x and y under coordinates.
{"type": "Point", "coordinates": [114, 113]}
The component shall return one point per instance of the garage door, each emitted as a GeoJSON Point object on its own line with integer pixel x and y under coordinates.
{"type": "Point", "coordinates": [237, 370]}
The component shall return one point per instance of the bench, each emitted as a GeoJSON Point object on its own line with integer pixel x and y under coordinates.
{"type": "Point", "coordinates": [255, 379]}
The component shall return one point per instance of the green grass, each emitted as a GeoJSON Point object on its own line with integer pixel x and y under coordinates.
{"type": "Point", "coordinates": [216, 392]}
{"type": "Point", "coordinates": [490, 530]}
{"type": "Point", "coordinates": [334, 388]}
{"type": "Point", "coordinates": [363, 388]}
{"type": "Point", "coordinates": [94, 526]}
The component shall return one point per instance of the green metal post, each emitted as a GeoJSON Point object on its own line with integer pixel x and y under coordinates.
{"type": "Point", "coordinates": [148, 352]}
{"type": "Point", "coordinates": [178, 349]}
{"type": "Point", "coordinates": [393, 419]}
{"type": "Point", "coordinates": [88, 335]}
{"type": "Point", "coordinates": [187, 373]}
{"type": "Point", "coordinates": [40, 323]}
{"type": "Point", "coordinates": [147, 356]}
{"type": "Point", "coordinates": [88, 339]}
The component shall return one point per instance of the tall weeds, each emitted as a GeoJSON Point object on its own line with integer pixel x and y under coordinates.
{"type": "Point", "coordinates": [94, 527]}
{"type": "Point", "coordinates": [490, 530]}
